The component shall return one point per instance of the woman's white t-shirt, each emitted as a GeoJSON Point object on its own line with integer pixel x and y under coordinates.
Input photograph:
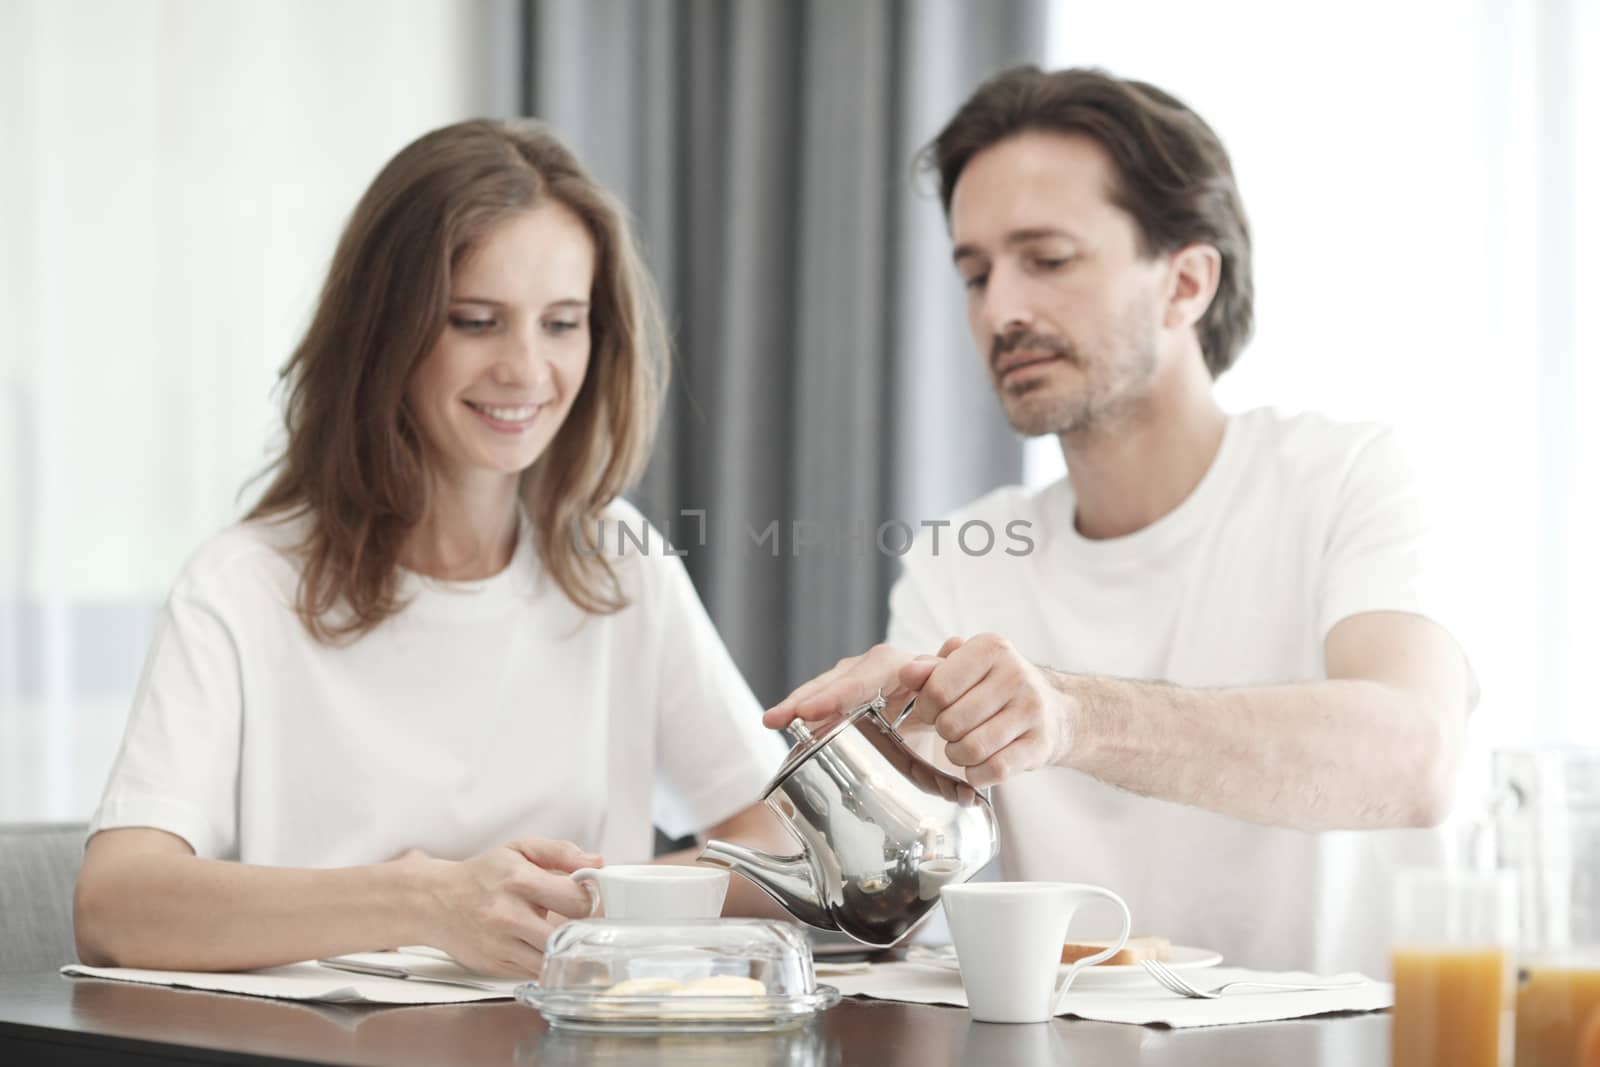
{"type": "Point", "coordinates": [481, 713]}
{"type": "Point", "coordinates": [1300, 522]}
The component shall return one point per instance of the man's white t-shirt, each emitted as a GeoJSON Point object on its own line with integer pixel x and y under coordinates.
{"type": "Point", "coordinates": [1299, 522]}
{"type": "Point", "coordinates": [483, 712]}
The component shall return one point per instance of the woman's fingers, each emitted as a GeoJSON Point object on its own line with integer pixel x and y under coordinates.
{"type": "Point", "coordinates": [513, 957]}
{"type": "Point", "coordinates": [553, 854]}
{"type": "Point", "coordinates": [551, 891]}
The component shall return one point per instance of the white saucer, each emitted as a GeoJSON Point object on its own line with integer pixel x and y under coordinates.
{"type": "Point", "coordinates": [1181, 958]}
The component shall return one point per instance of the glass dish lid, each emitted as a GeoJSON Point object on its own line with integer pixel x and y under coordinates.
{"type": "Point", "coordinates": [648, 975]}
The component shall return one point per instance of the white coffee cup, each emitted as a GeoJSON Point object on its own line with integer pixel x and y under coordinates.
{"type": "Point", "coordinates": [654, 891]}
{"type": "Point", "coordinates": [1008, 939]}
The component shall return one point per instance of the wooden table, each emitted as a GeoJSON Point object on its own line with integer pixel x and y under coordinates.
{"type": "Point", "coordinates": [48, 1019]}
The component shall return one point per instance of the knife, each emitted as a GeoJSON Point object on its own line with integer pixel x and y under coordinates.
{"type": "Point", "coordinates": [383, 970]}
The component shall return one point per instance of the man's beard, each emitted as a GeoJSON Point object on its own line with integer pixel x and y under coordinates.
{"type": "Point", "coordinates": [1111, 384]}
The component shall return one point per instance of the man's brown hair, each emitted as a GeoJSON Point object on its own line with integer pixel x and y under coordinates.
{"type": "Point", "coordinates": [1172, 173]}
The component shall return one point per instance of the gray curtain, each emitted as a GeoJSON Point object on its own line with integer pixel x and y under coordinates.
{"type": "Point", "coordinates": [823, 375]}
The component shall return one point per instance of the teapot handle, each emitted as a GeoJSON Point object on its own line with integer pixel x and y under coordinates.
{"type": "Point", "coordinates": [905, 711]}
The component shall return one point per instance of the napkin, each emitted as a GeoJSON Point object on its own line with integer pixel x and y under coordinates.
{"type": "Point", "coordinates": [1141, 1004]}
{"type": "Point", "coordinates": [312, 981]}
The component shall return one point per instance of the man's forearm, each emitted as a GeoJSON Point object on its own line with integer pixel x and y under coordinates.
{"type": "Point", "coordinates": [1325, 755]}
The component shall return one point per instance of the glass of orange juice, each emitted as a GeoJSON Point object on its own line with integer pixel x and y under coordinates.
{"type": "Point", "coordinates": [1454, 966]}
{"type": "Point", "coordinates": [1558, 1010]}
{"type": "Point", "coordinates": [1547, 829]}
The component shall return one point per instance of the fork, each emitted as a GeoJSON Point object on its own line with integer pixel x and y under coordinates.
{"type": "Point", "coordinates": [1171, 980]}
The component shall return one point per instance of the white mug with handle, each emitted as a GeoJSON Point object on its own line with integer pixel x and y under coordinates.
{"type": "Point", "coordinates": [654, 891]}
{"type": "Point", "coordinates": [1008, 938]}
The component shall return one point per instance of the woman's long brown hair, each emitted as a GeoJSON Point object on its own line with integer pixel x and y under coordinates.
{"type": "Point", "coordinates": [354, 461]}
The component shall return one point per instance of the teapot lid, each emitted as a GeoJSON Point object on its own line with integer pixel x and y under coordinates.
{"type": "Point", "coordinates": [808, 744]}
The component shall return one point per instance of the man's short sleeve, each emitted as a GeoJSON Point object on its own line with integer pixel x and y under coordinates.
{"type": "Point", "coordinates": [1376, 553]}
{"type": "Point", "coordinates": [921, 615]}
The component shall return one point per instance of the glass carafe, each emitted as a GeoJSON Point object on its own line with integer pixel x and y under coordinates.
{"type": "Point", "coordinates": [1547, 828]}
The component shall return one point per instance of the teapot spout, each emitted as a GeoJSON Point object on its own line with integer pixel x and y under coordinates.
{"type": "Point", "coordinates": [786, 879]}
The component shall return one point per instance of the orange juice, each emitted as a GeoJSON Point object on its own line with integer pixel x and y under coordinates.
{"type": "Point", "coordinates": [1452, 1007]}
{"type": "Point", "coordinates": [1553, 1006]}
{"type": "Point", "coordinates": [1589, 1043]}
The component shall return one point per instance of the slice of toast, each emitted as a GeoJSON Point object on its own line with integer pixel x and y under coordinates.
{"type": "Point", "coordinates": [1137, 948]}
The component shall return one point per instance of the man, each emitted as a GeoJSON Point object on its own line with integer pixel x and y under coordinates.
{"type": "Point", "coordinates": [1215, 663]}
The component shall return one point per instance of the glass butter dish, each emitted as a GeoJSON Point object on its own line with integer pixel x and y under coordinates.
{"type": "Point", "coordinates": [689, 975]}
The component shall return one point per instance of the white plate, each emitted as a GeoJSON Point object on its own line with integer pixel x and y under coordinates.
{"type": "Point", "coordinates": [1181, 958]}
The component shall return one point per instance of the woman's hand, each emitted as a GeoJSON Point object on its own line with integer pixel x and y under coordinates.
{"type": "Point", "coordinates": [495, 912]}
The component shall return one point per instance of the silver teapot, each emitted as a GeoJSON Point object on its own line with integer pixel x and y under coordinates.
{"type": "Point", "coordinates": [881, 830]}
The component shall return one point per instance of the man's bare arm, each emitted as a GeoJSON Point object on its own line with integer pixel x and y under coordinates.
{"type": "Point", "coordinates": [1375, 745]}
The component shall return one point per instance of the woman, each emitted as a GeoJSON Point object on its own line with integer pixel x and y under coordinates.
{"type": "Point", "coordinates": [388, 706]}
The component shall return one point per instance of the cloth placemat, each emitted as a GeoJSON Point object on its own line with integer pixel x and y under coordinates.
{"type": "Point", "coordinates": [1140, 1004]}
{"type": "Point", "coordinates": [311, 981]}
